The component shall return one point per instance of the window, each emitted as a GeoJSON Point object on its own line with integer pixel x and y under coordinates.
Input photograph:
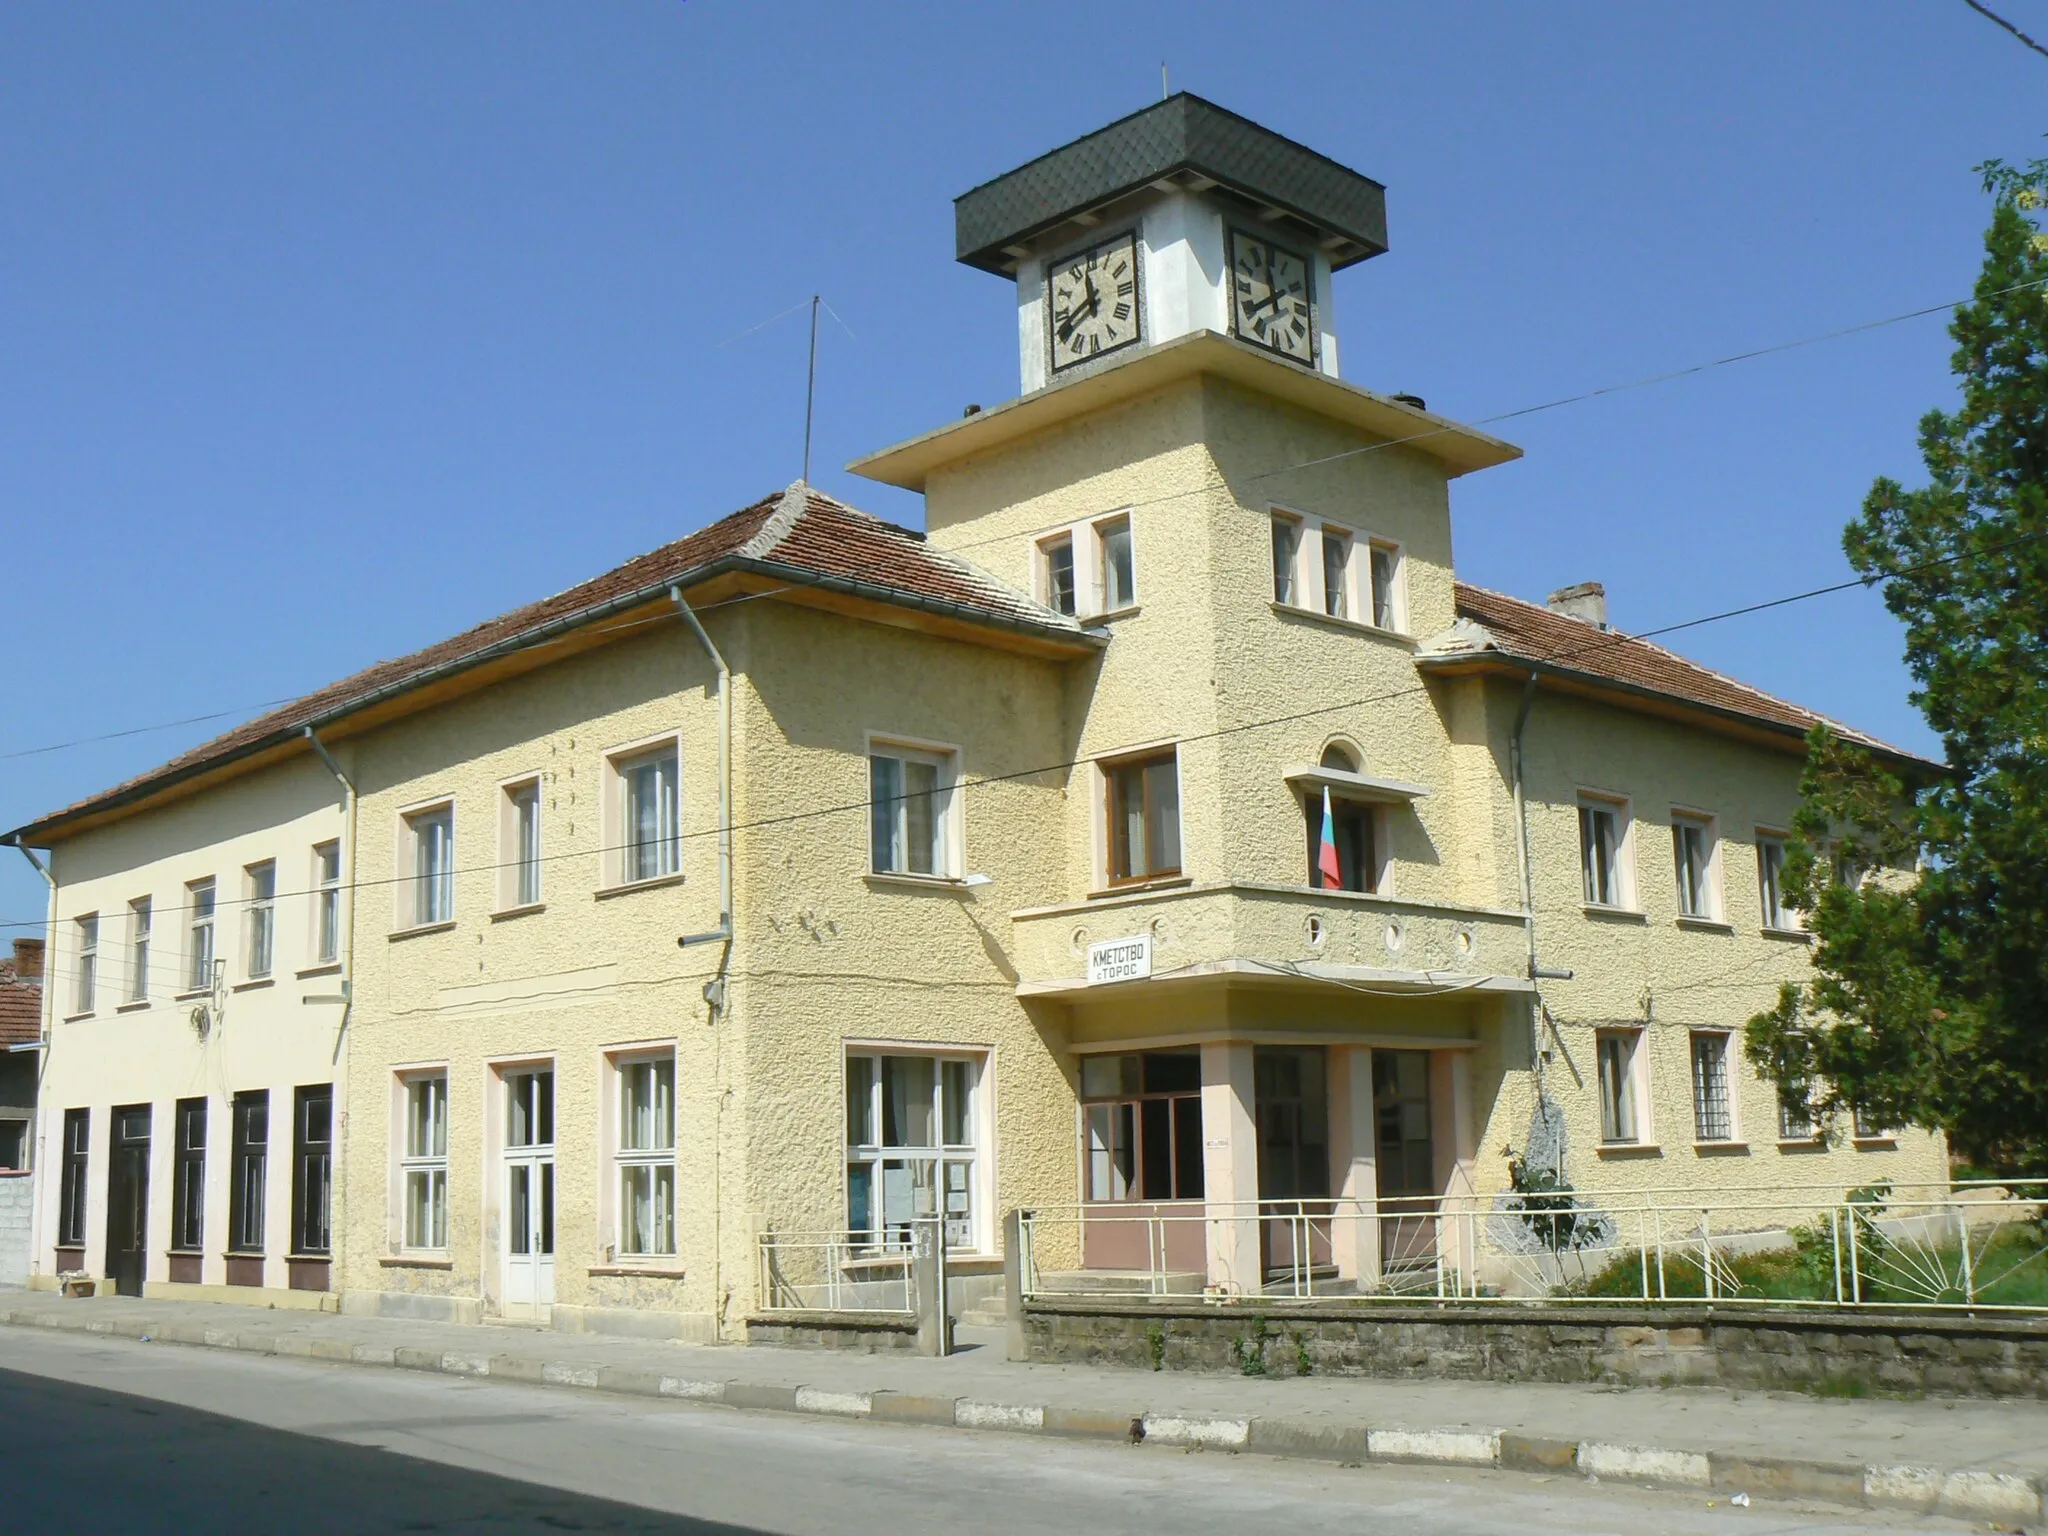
{"type": "Point", "coordinates": [1056, 573]}
{"type": "Point", "coordinates": [1353, 829]}
{"type": "Point", "coordinates": [1848, 866]}
{"type": "Point", "coordinates": [246, 1172]}
{"type": "Point", "coordinates": [519, 846]}
{"type": "Point", "coordinates": [138, 949]}
{"type": "Point", "coordinates": [1286, 556]}
{"type": "Point", "coordinates": [1868, 1127]}
{"type": "Point", "coordinates": [326, 903]}
{"type": "Point", "coordinates": [1620, 1107]}
{"type": "Point", "coordinates": [911, 811]}
{"type": "Point", "coordinates": [1119, 575]}
{"type": "Point", "coordinates": [1692, 855]}
{"type": "Point", "coordinates": [1602, 841]}
{"type": "Point", "coordinates": [312, 1167]}
{"type": "Point", "coordinates": [87, 979]}
{"type": "Point", "coordinates": [199, 942]}
{"type": "Point", "coordinates": [423, 1165]}
{"type": "Point", "coordinates": [1770, 882]}
{"type": "Point", "coordinates": [261, 881]}
{"type": "Point", "coordinates": [912, 1128]}
{"type": "Point", "coordinates": [188, 1177]}
{"type": "Point", "coordinates": [14, 1144]}
{"type": "Point", "coordinates": [431, 836]}
{"type": "Point", "coordinates": [1144, 817]}
{"type": "Point", "coordinates": [647, 1157]}
{"type": "Point", "coordinates": [71, 1188]}
{"type": "Point", "coordinates": [648, 797]}
{"type": "Point", "coordinates": [1795, 1117]}
{"type": "Point", "coordinates": [1142, 1121]}
{"type": "Point", "coordinates": [1336, 573]}
{"type": "Point", "coordinates": [1386, 586]}
{"type": "Point", "coordinates": [1712, 1117]}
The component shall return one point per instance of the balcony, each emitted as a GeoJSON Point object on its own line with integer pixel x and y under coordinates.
{"type": "Point", "coordinates": [1189, 934]}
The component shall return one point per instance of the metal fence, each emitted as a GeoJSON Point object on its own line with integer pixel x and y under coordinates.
{"type": "Point", "coordinates": [838, 1271]}
{"type": "Point", "coordinates": [1980, 1245]}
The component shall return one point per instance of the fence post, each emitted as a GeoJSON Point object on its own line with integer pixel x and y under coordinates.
{"type": "Point", "coordinates": [1014, 1273]}
{"type": "Point", "coordinates": [928, 1287]}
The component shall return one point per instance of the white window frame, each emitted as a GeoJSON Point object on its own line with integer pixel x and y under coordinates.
{"type": "Point", "coordinates": [1286, 572]}
{"type": "Point", "coordinates": [1085, 539]}
{"type": "Point", "coordinates": [949, 810]}
{"type": "Point", "coordinates": [1725, 1042]}
{"type": "Point", "coordinates": [1635, 1078]}
{"type": "Point", "coordinates": [516, 893]}
{"type": "Point", "coordinates": [973, 1236]}
{"type": "Point", "coordinates": [1358, 600]}
{"type": "Point", "coordinates": [410, 889]}
{"type": "Point", "coordinates": [409, 1164]}
{"type": "Point", "coordinates": [326, 938]}
{"type": "Point", "coordinates": [141, 919]}
{"type": "Point", "coordinates": [201, 942]}
{"type": "Point", "coordinates": [619, 762]}
{"type": "Point", "coordinates": [259, 920]}
{"type": "Point", "coordinates": [1770, 884]}
{"type": "Point", "coordinates": [1100, 531]}
{"type": "Point", "coordinates": [625, 1161]}
{"type": "Point", "coordinates": [1042, 553]}
{"type": "Point", "coordinates": [1623, 883]}
{"type": "Point", "coordinates": [85, 929]}
{"type": "Point", "coordinates": [1708, 828]}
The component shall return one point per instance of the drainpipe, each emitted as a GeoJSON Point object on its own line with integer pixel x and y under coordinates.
{"type": "Point", "coordinates": [715, 989]}
{"type": "Point", "coordinates": [41, 1184]}
{"type": "Point", "coordinates": [1537, 973]}
{"type": "Point", "coordinates": [348, 978]}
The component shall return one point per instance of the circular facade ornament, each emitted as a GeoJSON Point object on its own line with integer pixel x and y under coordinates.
{"type": "Point", "coordinates": [1396, 936]}
{"type": "Point", "coordinates": [1316, 930]}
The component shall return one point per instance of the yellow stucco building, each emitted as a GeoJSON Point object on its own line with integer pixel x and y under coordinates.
{"type": "Point", "coordinates": [1165, 831]}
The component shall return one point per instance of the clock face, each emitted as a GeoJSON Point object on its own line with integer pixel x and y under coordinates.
{"type": "Point", "coordinates": [1269, 297]}
{"type": "Point", "coordinates": [1092, 299]}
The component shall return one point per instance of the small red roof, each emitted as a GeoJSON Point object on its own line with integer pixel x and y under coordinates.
{"type": "Point", "coordinates": [21, 1007]}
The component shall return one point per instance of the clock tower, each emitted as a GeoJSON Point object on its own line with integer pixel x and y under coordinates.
{"type": "Point", "coordinates": [1181, 218]}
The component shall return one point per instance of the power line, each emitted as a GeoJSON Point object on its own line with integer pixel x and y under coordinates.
{"type": "Point", "coordinates": [1598, 639]}
{"type": "Point", "coordinates": [1989, 14]}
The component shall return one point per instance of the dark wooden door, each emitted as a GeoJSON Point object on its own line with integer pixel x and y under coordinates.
{"type": "Point", "coordinates": [128, 1199]}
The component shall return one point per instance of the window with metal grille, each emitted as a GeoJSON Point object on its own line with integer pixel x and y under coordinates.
{"type": "Point", "coordinates": [1711, 1115]}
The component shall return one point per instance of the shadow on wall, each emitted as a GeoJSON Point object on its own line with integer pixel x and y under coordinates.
{"type": "Point", "coordinates": [83, 1458]}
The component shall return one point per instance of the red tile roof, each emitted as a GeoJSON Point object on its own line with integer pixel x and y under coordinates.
{"type": "Point", "coordinates": [798, 535]}
{"type": "Point", "coordinates": [21, 1007]}
{"type": "Point", "coordinates": [1492, 623]}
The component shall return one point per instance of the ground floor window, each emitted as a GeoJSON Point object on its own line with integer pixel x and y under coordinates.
{"type": "Point", "coordinates": [1713, 1116]}
{"type": "Point", "coordinates": [188, 1177]}
{"type": "Point", "coordinates": [71, 1190]}
{"type": "Point", "coordinates": [1142, 1125]}
{"type": "Point", "coordinates": [249, 1171]}
{"type": "Point", "coordinates": [1795, 1117]}
{"type": "Point", "coordinates": [646, 1156]}
{"type": "Point", "coordinates": [312, 1168]}
{"type": "Point", "coordinates": [423, 1163]}
{"type": "Point", "coordinates": [912, 1144]}
{"type": "Point", "coordinates": [13, 1144]}
{"type": "Point", "coordinates": [1620, 1098]}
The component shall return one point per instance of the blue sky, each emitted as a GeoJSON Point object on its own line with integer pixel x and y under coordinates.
{"type": "Point", "coordinates": [328, 331]}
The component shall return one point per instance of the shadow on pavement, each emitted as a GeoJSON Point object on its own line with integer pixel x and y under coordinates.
{"type": "Point", "coordinates": [79, 1458]}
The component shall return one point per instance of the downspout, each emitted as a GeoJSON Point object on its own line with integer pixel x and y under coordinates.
{"type": "Point", "coordinates": [347, 916]}
{"type": "Point", "coordinates": [1523, 857]}
{"type": "Point", "coordinates": [715, 989]}
{"type": "Point", "coordinates": [41, 1185]}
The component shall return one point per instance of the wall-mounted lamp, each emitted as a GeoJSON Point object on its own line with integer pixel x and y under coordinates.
{"type": "Point", "coordinates": [975, 882]}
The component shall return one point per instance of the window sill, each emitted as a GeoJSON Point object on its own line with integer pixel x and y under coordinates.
{"type": "Point", "coordinates": [1139, 887]}
{"type": "Point", "coordinates": [1703, 924]}
{"type": "Point", "coordinates": [414, 1261]}
{"type": "Point", "coordinates": [136, 1005]}
{"type": "Point", "coordinates": [659, 882]}
{"type": "Point", "coordinates": [1606, 914]}
{"type": "Point", "coordinates": [73, 1018]}
{"type": "Point", "coordinates": [1721, 1148]}
{"type": "Point", "coordinates": [191, 995]}
{"type": "Point", "coordinates": [400, 935]}
{"type": "Point", "coordinates": [254, 984]}
{"type": "Point", "coordinates": [506, 914]}
{"type": "Point", "coordinates": [1334, 621]}
{"type": "Point", "coordinates": [1629, 1149]}
{"type": "Point", "coordinates": [1874, 1143]}
{"type": "Point", "coordinates": [325, 968]}
{"type": "Point", "coordinates": [948, 885]}
{"type": "Point", "coordinates": [1790, 935]}
{"type": "Point", "coordinates": [1801, 1144]}
{"type": "Point", "coordinates": [1111, 615]}
{"type": "Point", "coordinates": [640, 1271]}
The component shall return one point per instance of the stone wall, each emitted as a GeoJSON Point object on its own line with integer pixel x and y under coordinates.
{"type": "Point", "coordinates": [17, 1211]}
{"type": "Point", "coordinates": [867, 1333]}
{"type": "Point", "coordinates": [1751, 1348]}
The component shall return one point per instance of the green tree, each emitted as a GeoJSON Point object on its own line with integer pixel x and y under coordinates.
{"type": "Point", "coordinates": [1928, 1003]}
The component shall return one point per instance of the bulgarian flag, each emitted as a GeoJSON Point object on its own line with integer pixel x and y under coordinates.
{"type": "Point", "coordinates": [1327, 871]}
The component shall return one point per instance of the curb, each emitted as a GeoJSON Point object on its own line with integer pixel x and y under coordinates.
{"type": "Point", "coordinates": [1969, 1495]}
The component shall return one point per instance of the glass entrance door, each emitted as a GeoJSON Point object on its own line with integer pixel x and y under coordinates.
{"type": "Point", "coordinates": [1405, 1158]}
{"type": "Point", "coordinates": [529, 1173]}
{"type": "Point", "coordinates": [1290, 1085]}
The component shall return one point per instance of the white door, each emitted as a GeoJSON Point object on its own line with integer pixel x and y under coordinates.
{"type": "Point", "coordinates": [529, 1225]}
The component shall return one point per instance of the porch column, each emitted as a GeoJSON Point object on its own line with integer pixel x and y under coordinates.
{"type": "Point", "coordinates": [1230, 1168]}
{"type": "Point", "coordinates": [1354, 1226]}
{"type": "Point", "coordinates": [1450, 1110]}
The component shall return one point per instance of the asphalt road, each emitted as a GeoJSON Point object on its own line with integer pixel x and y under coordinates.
{"type": "Point", "coordinates": [100, 1435]}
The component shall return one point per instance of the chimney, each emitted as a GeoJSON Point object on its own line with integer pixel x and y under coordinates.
{"type": "Point", "coordinates": [1585, 601]}
{"type": "Point", "coordinates": [28, 959]}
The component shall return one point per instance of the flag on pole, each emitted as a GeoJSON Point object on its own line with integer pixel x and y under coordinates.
{"type": "Point", "coordinates": [1327, 869]}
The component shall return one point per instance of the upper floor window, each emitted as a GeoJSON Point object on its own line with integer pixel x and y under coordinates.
{"type": "Point", "coordinates": [1384, 575]}
{"type": "Point", "coordinates": [647, 790]}
{"type": "Point", "coordinates": [1143, 795]}
{"type": "Point", "coordinates": [1336, 573]}
{"type": "Point", "coordinates": [1692, 855]}
{"type": "Point", "coordinates": [139, 918]}
{"type": "Point", "coordinates": [87, 978]}
{"type": "Point", "coordinates": [1603, 846]}
{"type": "Point", "coordinates": [1770, 883]}
{"type": "Point", "coordinates": [519, 845]}
{"type": "Point", "coordinates": [1286, 557]}
{"type": "Point", "coordinates": [1116, 563]}
{"type": "Point", "coordinates": [199, 938]}
{"type": "Point", "coordinates": [326, 903]}
{"type": "Point", "coordinates": [1337, 570]}
{"type": "Point", "coordinates": [260, 881]}
{"type": "Point", "coordinates": [430, 834]}
{"type": "Point", "coordinates": [1056, 573]}
{"type": "Point", "coordinates": [1344, 843]}
{"type": "Point", "coordinates": [911, 794]}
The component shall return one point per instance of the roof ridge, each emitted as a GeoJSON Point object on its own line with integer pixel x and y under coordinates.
{"type": "Point", "coordinates": [794, 501]}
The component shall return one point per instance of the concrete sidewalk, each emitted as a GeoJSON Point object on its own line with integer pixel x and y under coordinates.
{"type": "Point", "coordinates": [1973, 1459]}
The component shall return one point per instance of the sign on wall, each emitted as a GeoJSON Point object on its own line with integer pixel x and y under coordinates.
{"type": "Point", "coordinates": [1120, 959]}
